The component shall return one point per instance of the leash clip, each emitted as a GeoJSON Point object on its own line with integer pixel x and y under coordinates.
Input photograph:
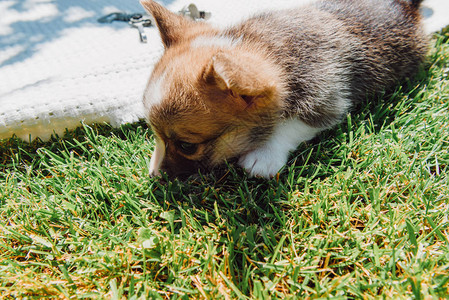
{"type": "Point", "coordinates": [192, 12]}
{"type": "Point", "coordinates": [139, 22]}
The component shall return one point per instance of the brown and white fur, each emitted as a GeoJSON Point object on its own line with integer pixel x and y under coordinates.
{"type": "Point", "coordinates": [255, 91]}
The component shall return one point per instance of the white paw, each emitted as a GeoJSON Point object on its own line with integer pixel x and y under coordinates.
{"type": "Point", "coordinates": [268, 159]}
{"type": "Point", "coordinates": [264, 161]}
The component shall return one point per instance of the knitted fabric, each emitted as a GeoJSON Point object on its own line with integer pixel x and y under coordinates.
{"type": "Point", "coordinates": [60, 67]}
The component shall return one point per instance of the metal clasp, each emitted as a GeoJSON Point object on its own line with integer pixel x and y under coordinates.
{"type": "Point", "coordinates": [139, 22]}
{"type": "Point", "coordinates": [193, 13]}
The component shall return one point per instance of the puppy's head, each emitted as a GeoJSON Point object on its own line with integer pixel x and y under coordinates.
{"type": "Point", "coordinates": [209, 98]}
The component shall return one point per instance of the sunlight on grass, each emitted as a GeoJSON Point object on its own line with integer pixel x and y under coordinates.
{"type": "Point", "coordinates": [361, 211]}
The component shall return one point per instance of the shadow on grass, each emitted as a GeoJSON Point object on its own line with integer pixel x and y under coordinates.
{"type": "Point", "coordinates": [15, 152]}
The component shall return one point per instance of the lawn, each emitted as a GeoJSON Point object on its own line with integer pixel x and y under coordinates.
{"type": "Point", "coordinates": [360, 212]}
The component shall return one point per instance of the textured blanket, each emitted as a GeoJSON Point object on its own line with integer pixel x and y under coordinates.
{"type": "Point", "coordinates": [60, 67]}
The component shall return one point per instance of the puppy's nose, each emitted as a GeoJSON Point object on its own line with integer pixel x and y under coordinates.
{"type": "Point", "coordinates": [180, 167]}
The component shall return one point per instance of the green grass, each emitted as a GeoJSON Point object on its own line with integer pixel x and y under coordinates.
{"type": "Point", "coordinates": [360, 212]}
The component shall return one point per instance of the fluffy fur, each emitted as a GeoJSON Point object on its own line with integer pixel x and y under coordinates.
{"type": "Point", "coordinates": [254, 91]}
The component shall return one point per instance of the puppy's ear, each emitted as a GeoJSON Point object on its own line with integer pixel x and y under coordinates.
{"type": "Point", "coordinates": [171, 26]}
{"type": "Point", "coordinates": [249, 79]}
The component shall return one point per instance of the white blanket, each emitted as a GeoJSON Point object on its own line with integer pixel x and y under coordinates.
{"type": "Point", "coordinates": [59, 66]}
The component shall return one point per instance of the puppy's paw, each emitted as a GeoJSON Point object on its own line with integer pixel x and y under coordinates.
{"type": "Point", "coordinates": [264, 161]}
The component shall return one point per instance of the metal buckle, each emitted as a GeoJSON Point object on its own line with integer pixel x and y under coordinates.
{"type": "Point", "coordinates": [193, 13]}
{"type": "Point", "coordinates": [141, 20]}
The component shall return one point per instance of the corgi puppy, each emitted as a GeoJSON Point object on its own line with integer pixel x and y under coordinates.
{"type": "Point", "coordinates": [253, 92]}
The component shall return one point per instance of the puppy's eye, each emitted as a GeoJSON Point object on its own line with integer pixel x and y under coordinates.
{"type": "Point", "coordinates": [187, 148]}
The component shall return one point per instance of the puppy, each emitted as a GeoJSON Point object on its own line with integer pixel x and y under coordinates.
{"type": "Point", "coordinates": [253, 92]}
